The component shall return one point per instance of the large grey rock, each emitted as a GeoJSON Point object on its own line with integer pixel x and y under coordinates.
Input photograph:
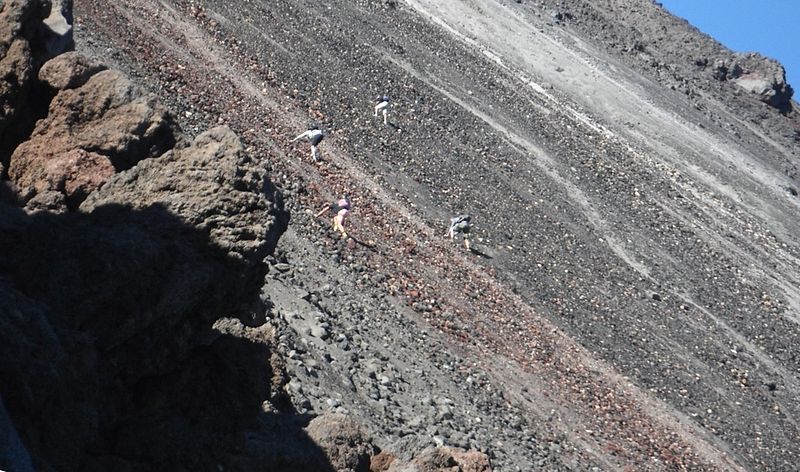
{"type": "Point", "coordinates": [211, 185]}
{"type": "Point", "coordinates": [765, 78]}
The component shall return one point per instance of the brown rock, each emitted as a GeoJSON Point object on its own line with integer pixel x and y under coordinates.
{"type": "Point", "coordinates": [74, 173]}
{"type": "Point", "coordinates": [15, 55]}
{"type": "Point", "coordinates": [31, 32]}
{"type": "Point", "coordinates": [69, 70]}
{"type": "Point", "coordinates": [111, 116]}
{"type": "Point", "coordinates": [211, 185]}
{"type": "Point", "coordinates": [15, 74]}
{"type": "Point", "coordinates": [381, 462]}
{"type": "Point", "coordinates": [105, 124]}
{"type": "Point", "coordinates": [444, 459]}
{"type": "Point", "coordinates": [131, 286]}
{"type": "Point", "coordinates": [471, 461]}
{"type": "Point", "coordinates": [344, 444]}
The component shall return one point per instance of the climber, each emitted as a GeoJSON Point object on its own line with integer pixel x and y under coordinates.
{"type": "Point", "coordinates": [460, 225]}
{"type": "Point", "coordinates": [314, 136]}
{"type": "Point", "coordinates": [382, 105]}
{"type": "Point", "coordinates": [341, 209]}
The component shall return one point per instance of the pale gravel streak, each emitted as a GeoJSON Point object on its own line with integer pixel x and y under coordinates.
{"type": "Point", "coordinates": [698, 140]}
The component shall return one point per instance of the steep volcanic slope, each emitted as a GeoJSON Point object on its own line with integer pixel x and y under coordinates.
{"type": "Point", "coordinates": [639, 298]}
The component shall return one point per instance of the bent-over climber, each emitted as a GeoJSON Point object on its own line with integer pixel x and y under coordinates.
{"type": "Point", "coordinates": [314, 136]}
{"type": "Point", "coordinates": [341, 210]}
{"type": "Point", "coordinates": [383, 106]}
{"type": "Point", "coordinates": [460, 225]}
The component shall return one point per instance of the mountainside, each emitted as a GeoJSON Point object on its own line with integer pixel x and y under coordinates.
{"type": "Point", "coordinates": [631, 300]}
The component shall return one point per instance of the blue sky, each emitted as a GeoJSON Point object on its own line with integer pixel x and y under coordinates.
{"type": "Point", "coordinates": [771, 27]}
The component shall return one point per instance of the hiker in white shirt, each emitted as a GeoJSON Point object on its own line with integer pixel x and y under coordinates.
{"type": "Point", "coordinates": [314, 136]}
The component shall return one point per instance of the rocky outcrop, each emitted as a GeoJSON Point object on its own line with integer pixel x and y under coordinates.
{"type": "Point", "coordinates": [99, 122]}
{"type": "Point", "coordinates": [110, 332]}
{"type": "Point", "coordinates": [31, 32]}
{"type": "Point", "coordinates": [759, 75]}
{"type": "Point", "coordinates": [114, 330]}
{"type": "Point", "coordinates": [203, 184]}
{"type": "Point", "coordinates": [763, 77]}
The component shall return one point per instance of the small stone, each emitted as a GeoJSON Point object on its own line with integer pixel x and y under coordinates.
{"type": "Point", "coordinates": [320, 332]}
{"type": "Point", "coordinates": [333, 402]}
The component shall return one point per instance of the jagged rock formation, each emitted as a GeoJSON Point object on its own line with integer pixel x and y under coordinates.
{"type": "Point", "coordinates": [763, 77]}
{"type": "Point", "coordinates": [650, 37]}
{"type": "Point", "coordinates": [117, 310]}
{"type": "Point", "coordinates": [97, 123]}
{"type": "Point", "coordinates": [109, 355]}
{"type": "Point", "coordinates": [31, 32]}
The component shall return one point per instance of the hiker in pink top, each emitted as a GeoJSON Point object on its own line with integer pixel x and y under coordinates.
{"type": "Point", "coordinates": [342, 209]}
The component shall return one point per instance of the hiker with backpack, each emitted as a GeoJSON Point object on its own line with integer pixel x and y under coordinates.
{"type": "Point", "coordinates": [314, 136]}
{"type": "Point", "coordinates": [382, 105]}
{"type": "Point", "coordinates": [341, 210]}
{"type": "Point", "coordinates": [460, 225]}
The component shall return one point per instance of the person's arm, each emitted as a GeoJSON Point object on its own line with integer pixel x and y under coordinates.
{"type": "Point", "coordinates": [322, 212]}
{"type": "Point", "coordinates": [302, 135]}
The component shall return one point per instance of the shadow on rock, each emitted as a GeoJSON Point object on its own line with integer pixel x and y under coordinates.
{"type": "Point", "coordinates": [109, 352]}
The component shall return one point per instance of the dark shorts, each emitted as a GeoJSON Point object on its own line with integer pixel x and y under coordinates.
{"type": "Point", "coordinates": [316, 139]}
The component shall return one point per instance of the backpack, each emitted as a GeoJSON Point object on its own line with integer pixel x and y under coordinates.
{"type": "Point", "coordinates": [460, 222]}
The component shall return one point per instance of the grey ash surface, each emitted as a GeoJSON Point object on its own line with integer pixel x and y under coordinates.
{"type": "Point", "coordinates": [646, 216]}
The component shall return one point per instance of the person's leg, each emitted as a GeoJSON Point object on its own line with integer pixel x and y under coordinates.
{"type": "Point", "coordinates": [382, 106]}
{"type": "Point", "coordinates": [466, 242]}
{"type": "Point", "coordinates": [384, 116]}
{"type": "Point", "coordinates": [314, 152]}
{"type": "Point", "coordinates": [337, 225]}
